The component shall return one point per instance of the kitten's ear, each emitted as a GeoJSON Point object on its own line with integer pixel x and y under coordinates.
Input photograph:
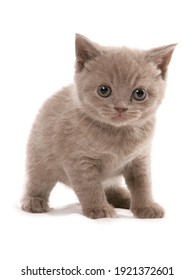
{"type": "Point", "coordinates": [161, 57]}
{"type": "Point", "coordinates": [85, 51]}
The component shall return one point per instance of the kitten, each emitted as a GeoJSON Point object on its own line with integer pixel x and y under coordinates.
{"type": "Point", "coordinates": [100, 128]}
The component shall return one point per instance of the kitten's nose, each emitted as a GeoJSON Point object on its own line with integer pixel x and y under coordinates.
{"type": "Point", "coordinates": [120, 109]}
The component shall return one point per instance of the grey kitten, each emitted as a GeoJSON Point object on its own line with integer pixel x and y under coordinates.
{"type": "Point", "coordinates": [98, 129]}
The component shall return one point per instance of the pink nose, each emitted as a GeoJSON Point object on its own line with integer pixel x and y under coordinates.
{"type": "Point", "coordinates": [120, 110]}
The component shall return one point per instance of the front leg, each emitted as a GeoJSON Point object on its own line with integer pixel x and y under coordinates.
{"type": "Point", "coordinates": [138, 179]}
{"type": "Point", "coordinates": [84, 178]}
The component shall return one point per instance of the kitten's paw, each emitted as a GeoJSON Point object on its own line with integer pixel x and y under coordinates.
{"type": "Point", "coordinates": [106, 211]}
{"type": "Point", "coordinates": [34, 205]}
{"type": "Point", "coordinates": [150, 212]}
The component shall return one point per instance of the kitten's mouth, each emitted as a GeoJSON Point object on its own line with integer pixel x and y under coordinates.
{"type": "Point", "coordinates": [120, 117]}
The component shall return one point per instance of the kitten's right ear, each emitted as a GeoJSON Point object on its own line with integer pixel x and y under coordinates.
{"type": "Point", "coordinates": [85, 51]}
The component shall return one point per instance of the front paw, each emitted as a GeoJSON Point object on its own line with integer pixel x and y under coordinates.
{"type": "Point", "coordinates": [106, 211]}
{"type": "Point", "coordinates": [150, 212]}
{"type": "Point", "coordinates": [34, 205]}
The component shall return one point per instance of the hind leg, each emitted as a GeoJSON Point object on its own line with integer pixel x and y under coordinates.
{"type": "Point", "coordinates": [117, 196]}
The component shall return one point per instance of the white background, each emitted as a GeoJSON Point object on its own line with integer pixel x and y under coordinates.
{"type": "Point", "coordinates": [37, 59]}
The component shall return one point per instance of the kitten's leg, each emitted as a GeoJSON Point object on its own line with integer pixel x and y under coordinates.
{"type": "Point", "coordinates": [85, 181]}
{"type": "Point", "coordinates": [138, 180]}
{"type": "Point", "coordinates": [35, 199]}
{"type": "Point", "coordinates": [93, 200]}
{"type": "Point", "coordinates": [117, 196]}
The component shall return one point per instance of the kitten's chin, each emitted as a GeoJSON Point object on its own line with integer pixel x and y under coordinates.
{"type": "Point", "coordinates": [122, 120]}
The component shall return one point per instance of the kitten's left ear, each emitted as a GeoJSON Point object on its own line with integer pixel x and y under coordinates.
{"type": "Point", "coordinates": [161, 57]}
{"type": "Point", "coordinates": [85, 51]}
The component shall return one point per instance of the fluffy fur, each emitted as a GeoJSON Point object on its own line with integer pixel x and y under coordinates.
{"type": "Point", "coordinates": [83, 139]}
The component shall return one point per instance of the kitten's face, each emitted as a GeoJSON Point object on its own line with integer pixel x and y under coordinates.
{"type": "Point", "coordinates": [118, 86]}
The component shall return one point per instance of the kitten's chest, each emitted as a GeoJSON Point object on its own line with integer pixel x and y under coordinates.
{"type": "Point", "coordinates": [117, 155]}
{"type": "Point", "coordinates": [115, 150]}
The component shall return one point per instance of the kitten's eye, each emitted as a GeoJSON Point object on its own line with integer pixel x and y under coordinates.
{"type": "Point", "coordinates": [104, 91]}
{"type": "Point", "coordinates": [139, 94]}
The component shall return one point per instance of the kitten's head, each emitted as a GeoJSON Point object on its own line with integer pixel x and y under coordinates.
{"type": "Point", "coordinates": [120, 86]}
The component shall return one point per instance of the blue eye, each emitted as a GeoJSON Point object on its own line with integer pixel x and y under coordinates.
{"type": "Point", "coordinates": [104, 91]}
{"type": "Point", "coordinates": [139, 94]}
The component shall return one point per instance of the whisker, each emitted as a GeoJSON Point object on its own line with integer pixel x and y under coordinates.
{"type": "Point", "coordinates": [91, 124]}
